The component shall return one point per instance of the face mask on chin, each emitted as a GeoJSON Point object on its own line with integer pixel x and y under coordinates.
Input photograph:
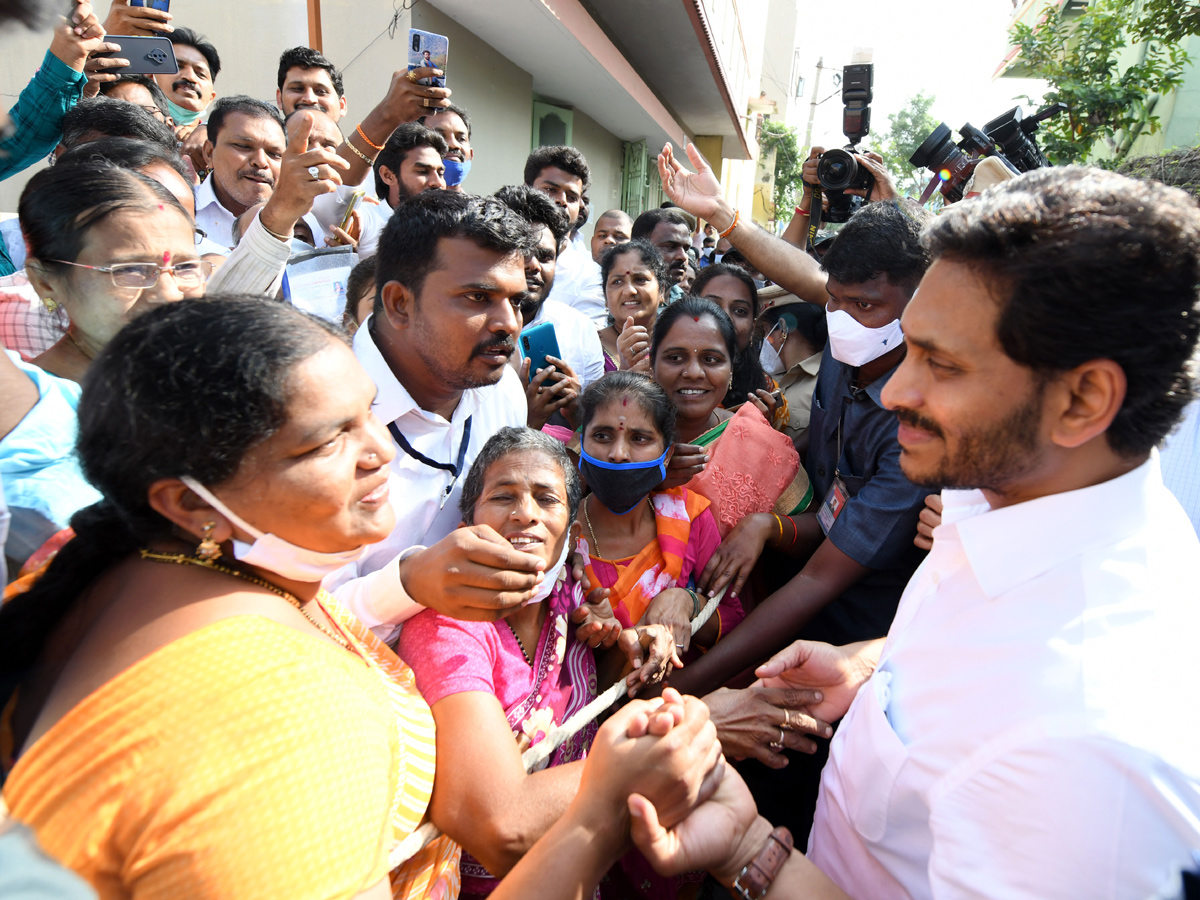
{"type": "Point", "coordinates": [456, 172]}
{"type": "Point", "coordinates": [182, 116]}
{"type": "Point", "coordinates": [273, 553]}
{"type": "Point", "coordinates": [622, 486]}
{"type": "Point", "coordinates": [855, 344]}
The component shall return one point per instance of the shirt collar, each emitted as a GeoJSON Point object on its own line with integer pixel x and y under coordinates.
{"type": "Point", "coordinates": [1010, 546]}
{"type": "Point", "coordinates": [206, 196]}
{"type": "Point", "coordinates": [809, 366]}
{"type": "Point", "coordinates": [393, 400]}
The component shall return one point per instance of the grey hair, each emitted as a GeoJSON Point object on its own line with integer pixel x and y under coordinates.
{"type": "Point", "coordinates": [514, 440]}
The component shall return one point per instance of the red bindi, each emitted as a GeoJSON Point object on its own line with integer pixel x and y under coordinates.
{"type": "Point", "coordinates": [695, 318]}
{"type": "Point", "coordinates": [624, 400]}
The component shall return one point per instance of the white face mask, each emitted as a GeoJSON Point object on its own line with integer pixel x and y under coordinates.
{"type": "Point", "coordinates": [769, 357]}
{"type": "Point", "coordinates": [855, 344]}
{"type": "Point", "coordinates": [546, 588]}
{"type": "Point", "coordinates": [272, 552]}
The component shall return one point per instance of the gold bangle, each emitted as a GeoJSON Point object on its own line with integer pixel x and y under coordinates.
{"type": "Point", "coordinates": [732, 225]}
{"type": "Point", "coordinates": [278, 237]}
{"type": "Point", "coordinates": [779, 522]}
{"type": "Point", "coordinates": [362, 134]}
{"type": "Point", "coordinates": [359, 153]}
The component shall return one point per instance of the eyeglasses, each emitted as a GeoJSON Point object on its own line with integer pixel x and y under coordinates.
{"type": "Point", "coordinates": [190, 274]}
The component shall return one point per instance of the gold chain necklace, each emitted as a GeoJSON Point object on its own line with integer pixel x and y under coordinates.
{"type": "Point", "coordinates": [79, 347]}
{"type": "Point", "coordinates": [591, 531]}
{"type": "Point", "coordinates": [182, 559]}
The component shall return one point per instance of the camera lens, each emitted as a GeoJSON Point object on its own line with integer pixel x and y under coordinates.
{"type": "Point", "coordinates": [837, 170]}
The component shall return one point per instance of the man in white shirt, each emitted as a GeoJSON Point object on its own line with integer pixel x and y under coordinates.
{"type": "Point", "coordinates": [450, 276]}
{"type": "Point", "coordinates": [563, 175]}
{"type": "Point", "coordinates": [580, 360]}
{"type": "Point", "coordinates": [245, 144]}
{"type": "Point", "coordinates": [1028, 728]}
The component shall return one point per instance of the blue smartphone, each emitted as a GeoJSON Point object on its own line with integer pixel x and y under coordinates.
{"type": "Point", "coordinates": [537, 343]}
{"type": "Point", "coordinates": [164, 5]}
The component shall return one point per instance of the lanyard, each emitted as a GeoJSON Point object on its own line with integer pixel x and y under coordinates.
{"type": "Point", "coordinates": [455, 469]}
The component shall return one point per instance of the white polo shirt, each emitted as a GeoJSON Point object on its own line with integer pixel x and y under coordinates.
{"type": "Point", "coordinates": [1031, 730]}
{"type": "Point", "coordinates": [578, 339]}
{"type": "Point", "coordinates": [425, 512]}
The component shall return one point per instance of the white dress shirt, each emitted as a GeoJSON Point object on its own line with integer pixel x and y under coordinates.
{"type": "Point", "coordinates": [578, 339]}
{"type": "Point", "coordinates": [577, 283]}
{"type": "Point", "coordinates": [211, 217]}
{"type": "Point", "coordinates": [1181, 463]}
{"type": "Point", "coordinates": [425, 512]}
{"type": "Point", "coordinates": [1031, 729]}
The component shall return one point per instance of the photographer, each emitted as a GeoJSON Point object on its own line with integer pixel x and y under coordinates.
{"type": "Point", "coordinates": [884, 188]}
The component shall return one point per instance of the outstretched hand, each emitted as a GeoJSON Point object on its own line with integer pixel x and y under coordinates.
{"type": "Point", "coordinates": [697, 192]}
{"type": "Point", "coordinates": [836, 672]}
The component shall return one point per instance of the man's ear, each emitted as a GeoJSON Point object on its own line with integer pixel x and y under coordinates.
{"type": "Point", "coordinates": [207, 150]}
{"type": "Point", "coordinates": [279, 100]}
{"type": "Point", "coordinates": [1090, 396]}
{"type": "Point", "coordinates": [387, 176]}
{"type": "Point", "coordinates": [398, 304]}
{"type": "Point", "coordinates": [342, 104]}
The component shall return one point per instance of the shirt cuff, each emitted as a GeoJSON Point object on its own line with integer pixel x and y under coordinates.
{"type": "Point", "coordinates": [379, 599]}
{"type": "Point", "coordinates": [255, 265]}
{"type": "Point", "coordinates": [55, 70]}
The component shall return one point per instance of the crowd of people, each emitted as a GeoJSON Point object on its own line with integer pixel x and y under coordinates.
{"type": "Point", "coordinates": [321, 561]}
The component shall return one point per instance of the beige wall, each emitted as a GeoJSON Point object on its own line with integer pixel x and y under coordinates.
{"type": "Point", "coordinates": [496, 93]}
{"type": "Point", "coordinates": [605, 154]}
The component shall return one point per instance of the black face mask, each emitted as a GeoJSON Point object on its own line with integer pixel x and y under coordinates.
{"type": "Point", "coordinates": [622, 486]}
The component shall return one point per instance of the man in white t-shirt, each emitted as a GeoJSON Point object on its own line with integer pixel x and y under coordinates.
{"type": "Point", "coordinates": [450, 276]}
{"type": "Point", "coordinates": [1028, 728]}
{"type": "Point", "coordinates": [576, 335]}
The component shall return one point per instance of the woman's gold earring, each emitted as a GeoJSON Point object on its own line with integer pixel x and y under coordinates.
{"type": "Point", "coordinates": [209, 550]}
{"type": "Point", "coordinates": [50, 304]}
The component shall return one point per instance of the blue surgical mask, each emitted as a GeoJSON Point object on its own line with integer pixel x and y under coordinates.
{"type": "Point", "coordinates": [456, 172]}
{"type": "Point", "coordinates": [182, 116]}
{"type": "Point", "coordinates": [622, 486]}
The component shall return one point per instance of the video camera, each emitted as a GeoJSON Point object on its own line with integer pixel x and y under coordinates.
{"type": "Point", "coordinates": [1008, 137]}
{"type": "Point", "coordinates": [839, 170]}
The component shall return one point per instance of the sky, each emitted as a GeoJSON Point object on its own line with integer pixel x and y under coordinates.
{"type": "Point", "coordinates": [949, 49]}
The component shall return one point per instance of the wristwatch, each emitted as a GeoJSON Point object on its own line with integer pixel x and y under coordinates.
{"type": "Point", "coordinates": [756, 877]}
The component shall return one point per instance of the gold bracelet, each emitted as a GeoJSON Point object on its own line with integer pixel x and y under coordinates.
{"type": "Point", "coordinates": [779, 521]}
{"type": "Point", "coordinates": [278, 237]}
{"type": "Point", "coordinates": [359, 153]}
{"type": "Point", "coordinates": [370, 143]}
{"type": "Point", "coordinates": [732, 225]}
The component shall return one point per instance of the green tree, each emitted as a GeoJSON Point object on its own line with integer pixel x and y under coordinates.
{"type": "Point", "coordinates": [907, 130]}
{"type": "Point", "coordinates": [1169, 21]}
{"type": "Point", "coordinates": [788, 164]}
{"type": "Point", "coordinates": [1080, 58]}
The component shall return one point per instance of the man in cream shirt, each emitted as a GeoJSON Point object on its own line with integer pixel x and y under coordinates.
{"type": "Point", "coordinates": [1028, 728]}
{"type": "Point", "coordinates": [450, 279]}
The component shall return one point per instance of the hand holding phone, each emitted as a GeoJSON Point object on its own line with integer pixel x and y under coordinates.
{"type": "Point", "coordinates": [537, 343]}
{"type": "Point", "coordinates": [427, 50]}
{"type": "Point", "coordinates": [160, 5]}
{"type": "Point", "coordinates": [146, 55]}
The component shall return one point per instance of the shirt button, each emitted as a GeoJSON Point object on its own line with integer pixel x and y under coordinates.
{"type": "Point", "coordinates": [821, 472]}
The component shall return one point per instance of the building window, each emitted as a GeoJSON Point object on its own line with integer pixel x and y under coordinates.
{"type": "Point", "coordinates": [551, 125]}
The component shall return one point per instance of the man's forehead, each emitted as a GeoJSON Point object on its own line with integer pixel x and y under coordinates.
{"type": "Point", "coordinates": [446, 121]}
{"type": "Point", "coordinates": [296, 73]}
{"type": "Point", "coordinates": [556, 177]}
{"type": "Point", "coordinates": [191, 55]}
{"type": "Point", "coordinates": [878, 287]}
{"type": "Point", "coordinates": [669, 232]}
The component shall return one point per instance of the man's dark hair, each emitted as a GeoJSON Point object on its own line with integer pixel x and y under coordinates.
{"type": "Point", "coordinates": [644, 224]}
{"type": "Point", "coordinates": [191, 38]}
{"type": "Point", "coordinates": [31, 13]}
{"type": "Point", "coordinates": [408, 246]}
{"type": "Point", "coordinates": [156, 93]}
{"type": "Point", "coordinates": [566, 158]}
{"type": "Point", "coordinates": [109, 117]}
{"type": "Point", "coordinates": [1087, 264]}
{"type": "Point", "coordinates": [407, 137]}
{"type": "Point", "coordinates": [643, 390]}
{"type": "Point", "coordinates": [308, 58]}
{"type": "Point", "coordinates": [127, 154]}
{"type": "Point", "coordinates": [880, 239]}
{"type": "Point", "coordinates": [240, 103]}
{"type": "Point", "coordinates": [360, 279]}
{"type": "Point", "coordinates": [535, 208]}
{"type": "Point", "coordinates": [448, 108]}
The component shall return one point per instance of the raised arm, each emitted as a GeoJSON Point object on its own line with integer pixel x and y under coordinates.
{"type": "Point", "coordinates": [700, 194]}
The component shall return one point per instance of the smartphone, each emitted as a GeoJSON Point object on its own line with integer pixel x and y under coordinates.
{"type": "Point", "coordinates": [350, 207]}
{"type": "Point", "coordinates": [428, 49]}
{"type": "Point", "coordinates": [538, 342]}
{"type": "Point", "coordinates": [163, 5]}
{"type": "Point", "coordinates": [146, 55]}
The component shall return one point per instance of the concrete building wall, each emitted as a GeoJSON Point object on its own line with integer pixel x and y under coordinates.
{"type": "Point", "coordinates": [605, 155]}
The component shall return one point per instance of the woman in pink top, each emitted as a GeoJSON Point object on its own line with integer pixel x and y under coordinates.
{"type": "Point", "coordinates": [489, 681]}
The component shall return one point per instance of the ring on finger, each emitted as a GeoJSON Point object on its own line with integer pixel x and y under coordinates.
{"type": "Point", "coordinates": [411, 76]}
{"type": "Point", "coordinates": [787, 720]}
{"type": "Point", "coordinates": [315, 172]}
{"type": "Point", "coordinates": [777, 746]}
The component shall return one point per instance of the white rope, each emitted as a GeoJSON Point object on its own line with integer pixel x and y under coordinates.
{"type": "Point", "coordinates": [540, 752]}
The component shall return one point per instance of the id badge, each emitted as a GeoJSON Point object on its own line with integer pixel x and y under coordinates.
{"type": "Point", "coordinates": [834, 503]}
